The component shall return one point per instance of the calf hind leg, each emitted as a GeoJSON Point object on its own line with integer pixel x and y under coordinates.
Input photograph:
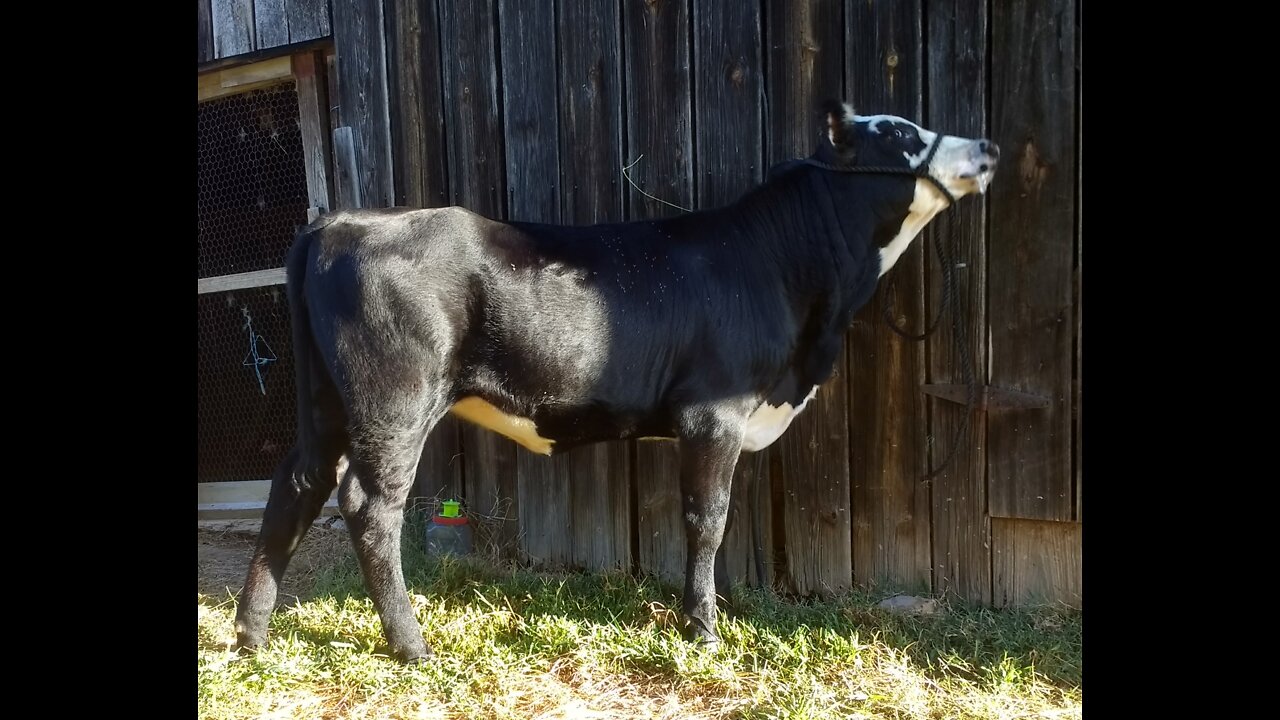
{"type": "Point", "coordinates": [372, 497]}
{"type": "Point", "coordinates": [297, 495]}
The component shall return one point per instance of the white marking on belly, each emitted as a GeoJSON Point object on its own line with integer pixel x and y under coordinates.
{"type": "Point", "coordinates": [768, 423]}
{"type": "Point", "coordinates": [522, 430]}
{"type": "Point", "coordinates": [927, 203]}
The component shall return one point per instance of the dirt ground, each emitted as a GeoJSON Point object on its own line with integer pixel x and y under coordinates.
{"type": "Point", "coordinates": [225, 547]}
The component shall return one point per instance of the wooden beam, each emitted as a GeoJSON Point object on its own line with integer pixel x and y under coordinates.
{"type": "Point", "coordinates": [240, 281]}
{"type": "Point", "coordinates": [242, 499]}
{"type": "Point", "coordinates": [313, 119]}
{"type": "Point", "coordinates": [242, 78]}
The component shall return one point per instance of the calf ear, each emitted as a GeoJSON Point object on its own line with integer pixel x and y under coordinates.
{"type": "Point", "coordinates": [840, 127]}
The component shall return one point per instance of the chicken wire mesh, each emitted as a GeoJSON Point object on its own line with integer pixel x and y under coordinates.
{"type": "Point", "coordinates": [252, 180]}
{"type": "Point", "coordinates": [252, 197]}
{"type": "Point", "coordinates": [246, 392]}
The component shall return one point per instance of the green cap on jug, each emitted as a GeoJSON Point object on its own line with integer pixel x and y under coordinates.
{"type": "Point", "coordinates": [450, 508]}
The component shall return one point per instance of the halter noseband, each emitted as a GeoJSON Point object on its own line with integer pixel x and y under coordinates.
{"type": "Point", "coordinates": [921, 171]}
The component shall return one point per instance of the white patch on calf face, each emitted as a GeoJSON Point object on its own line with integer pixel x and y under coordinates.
{"type": "Point", "coordinates": [768, 423]}
{"type": "Point", "coordinates": [927, 136]}
{"type": "Point", "coordinates": [960, 164]}
{"type": "Point", "coordinates": [927, 203]}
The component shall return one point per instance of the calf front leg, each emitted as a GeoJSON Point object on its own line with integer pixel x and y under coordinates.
{"type": "Point", "coordinates": [708, 454]}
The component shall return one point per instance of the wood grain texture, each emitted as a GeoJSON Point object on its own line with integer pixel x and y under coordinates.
{"type": "Point", "coordinates": [805, 66]}
{"type": "Point", "coordinates": [204, 31]}
{"type": "Point", "coordinates": [728, 93]}
{"type": "Point", "coordinates": [659, 127]}
{"type": "Point", "coordinates": [419, 151]}
{"type": "Point", "coordinates": [1036, 562]}
{"type": "Point", "coordinates": [416, 104]}
{"type": "Point", "coordinates": [590, 125]}
{"type": "Point", "coordinates": [362, 95]}
{"type": "Point", "coordinates": [313, 121]}
{"type": "Point", "coordinates": [1078, 373]}
{"type": "Point", "coordinates": [232, 27]}
{"type": "Point", "coordinates": [271, 24]}
{"type": "Point", "coordinates": [888, 413]}
{"type": "Point", "coordinates": [1031, 253]}
{"type": "Point", "coordinates": [346, 183]}
{"type": "Point", "coordinates": [739, 540]}
{"type": "Point", "coordinates": [956, 74]}
{"type": "Point", "coordinates": [477, 182]}
{"type": "Point", "coordinates": [309, 19]}
{"type": "Point", "coordinates": [527, 46]}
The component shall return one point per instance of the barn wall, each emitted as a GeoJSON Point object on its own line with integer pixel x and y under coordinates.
{"type": "Point", "coordinates": [236, 27]}
{"type": "Point", "coordinates": [533, 110]}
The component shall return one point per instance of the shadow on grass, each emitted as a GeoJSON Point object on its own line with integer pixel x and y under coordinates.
{"type": "Point", "coordinates": [961, 640]}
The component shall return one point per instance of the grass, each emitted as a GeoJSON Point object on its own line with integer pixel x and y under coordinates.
{"type": "Point", "coordinates": [511, 643]}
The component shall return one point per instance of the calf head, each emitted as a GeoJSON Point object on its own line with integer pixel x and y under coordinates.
{"type": "Point", "coordinates": [961, 165]}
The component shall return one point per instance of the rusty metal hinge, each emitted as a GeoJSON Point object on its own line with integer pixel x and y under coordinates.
{"type": "Point", "coordinates": [989, 398]}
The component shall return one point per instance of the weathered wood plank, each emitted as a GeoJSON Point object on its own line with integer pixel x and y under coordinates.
{"type": "Point", "coordinates": [1078, 373]}
{"type": "Point", "coordinates": [729, 72]}
{"type": "Point", "coordinates": [271, 24]}
{"type": "Point", "coordinates": [232, 27]}
{"type": "Point", "coordinates": [590, 99]}
{"type": "Point", "coordinates": [346, 183]}
{"type": "Point", "coordinates": [816, 494]}
{"type": "Point", "coordinates": [420, 173]}
{"type": "Point", "coordinates": [417, 114]}
{"type": "Point", "coordinates": [1036, 562]}
{"type": "Point", "coordinates": [313, 119]}
{"type": "Point", "coordinates": [362, 95]}
{"type": "Point", "coordinates": [204, 31]}
{"type": "Point", "coordinates": [1031, 252]}
{"type": "Point", "coordinates": [527, 34]}
{"type": "Point", "coordinates": [729, 77]}
{"type": "Point", "coordinates": [476, 179]}
{"type": "Point", "coordinates": [805, 66]}
{"type": "Point", "coordinates": [888, 424]}
{"type": "Point", "coordinates": [739, 540]}
{"type": "Point", "coordinates": [659, 128]}
{"type": "Point", "coordinates": [660, 123]}
{"type": "Point", "coordinates": [241, 281]}
{"type": "Point", "coordinates": [309, 19]}
{"type": "Point", "coordinates": [957, 95]}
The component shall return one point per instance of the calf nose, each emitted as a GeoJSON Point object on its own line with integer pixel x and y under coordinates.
{"type": "Point", "coordinates": [989, 148]}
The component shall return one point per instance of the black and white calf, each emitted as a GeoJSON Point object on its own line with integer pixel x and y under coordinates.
{"type": "Point", "coordinates": [713, 329]}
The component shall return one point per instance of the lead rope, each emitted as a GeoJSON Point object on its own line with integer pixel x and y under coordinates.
{"type": "Point", "coordinates": [946, 260]}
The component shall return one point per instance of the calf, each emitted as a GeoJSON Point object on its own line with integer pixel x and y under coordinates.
{"type": "Point", "coordinates": [713, 328]}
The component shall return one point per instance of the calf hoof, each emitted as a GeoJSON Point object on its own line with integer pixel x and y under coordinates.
{"type": "Point", "coordinates": [415, 656]}
{"type": "Point", "coordinates": [248, 639]}
{"type": "Point", "coordinates": [696, 631]}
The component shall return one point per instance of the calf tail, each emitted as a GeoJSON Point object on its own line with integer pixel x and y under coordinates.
{"type": "Point", "coordinates": [304, 351]}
